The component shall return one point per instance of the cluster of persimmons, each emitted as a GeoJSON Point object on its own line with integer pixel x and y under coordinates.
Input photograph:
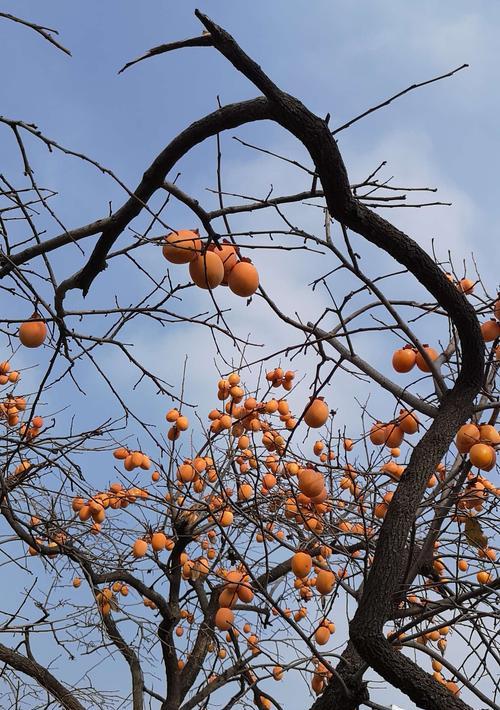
{"type": "Point", "coordinates": [218, 265]}
{"type": "Point", "coordinates": [250, 497]}
{"type": "Point", "coordinates": [244, 487]}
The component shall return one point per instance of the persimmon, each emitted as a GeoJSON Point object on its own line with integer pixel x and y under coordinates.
{"type": "Point", "coordinates": [466, 285]}
{"type": "Point", "coordinates": [224, 618]}
{"type": "Point", "coordinates": [269, 481]}
{"type": "Point", "coordinates": [243, 278]}
{"type": "Point", "coordinates": [76, 582]}
{"type": "Point", "coordinates": [121, 453]}
{"type": "Point", "coordinates": [453, 687]}
{"type": "Point", "coordinates": [182, 423]}
{"type": "Point", "coordinates": [317, 684]}
{"type": "Point", "coordinates": [311, 482]}
{"type": "Point", "coordinates": [277, 672]}
{"type": "Point", "coordinates": [245, 593]}
{"type": "Point", "coordinates": [84, 513]}
{"type": "Point", "coordinates": [37, 422]}
{"type": "Point", "coordinates": [403, 359]}
{"type": "Point", "coordinates": [483, 456]}
{"type": "Point", "coordinates": [408, 421]}
{"type": "Point", "coordinates": [325, 581]}
{"type": "Point", "coordinates": [139, 548]}
{"type": "Point", "coordinates": [322, 635]}
{"type": "Point", "coordinates": [245, 491]}
{"type": "Point", "coordinates": [32, 333]}
{"type": "Point", "coordinates": [99, 516]}
{"type": "Point", "coordinates": [483, 577]}
{"type": "Point", "coordinates": [395, 436]}
{"type": "Point", "coordinates": [77, 504]}
{"type": "Point", "coordinates": [207, 270]}
{"type": "Point", "coordinates": [271, 406]}
{"type": "Point", "coordinates": [490, 330]}
{"type": "Point", "coordinates": [489, 435]}
{"type": "Point", "coordinates": [419, 359]}
{"type": "Point", "coordinates": [228, 255]}
{"type": "Point", "coordinates": [158, 541]}
{"type": "Point", "coordinates": [467, 436]}
{"type": "Point", "coordinates": [172, 415]}
{"type": "Point", "coordinates": [436, 665]}
{"type": "Point", "coordinates": [20, 403]}
{"type": "Point", "coordinates": [186, 473]}
{"type": "Point", "coordinates": [317, 413]}
{"type": "Point", "coordinates": [226, 518]}
{"type": "Point", "coordinates": [182, 246]}
{"type": "Point", "coordinates": [243, 442]}
{"type": "Point", "coordinates": [173, 433]}
{"type": "Point", "coordinates": [233, 579]}
{"type": "Point", "coordinates": [301, 564]}
{"type": "Point", "coordinates": [378, 433]}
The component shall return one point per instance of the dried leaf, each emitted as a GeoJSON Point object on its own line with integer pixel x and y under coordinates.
{"type": "Point", "coordinates": [474, 533]}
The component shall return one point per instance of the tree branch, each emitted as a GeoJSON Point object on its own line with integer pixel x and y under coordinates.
{"type": "Point", "coordinates": [43, 677]}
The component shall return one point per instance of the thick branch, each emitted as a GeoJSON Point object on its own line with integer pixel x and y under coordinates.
{"type": "Point", "coordinates": [43, 677]}
{"type": "Point", "coordinates": [227, 117]}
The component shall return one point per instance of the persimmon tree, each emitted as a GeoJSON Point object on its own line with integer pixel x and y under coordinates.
{"type": "Point", "coordinates": [222, 552]}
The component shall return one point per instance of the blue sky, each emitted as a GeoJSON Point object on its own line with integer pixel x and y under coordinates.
{"type": "Point", "coordinates": [336, 57]}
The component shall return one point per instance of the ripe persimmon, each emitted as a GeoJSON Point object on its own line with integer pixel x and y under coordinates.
{"type": "Point", "coordinates": [378, 433]}
{"type": "Point", "coordinates": [181, 423]}
{"type": "Point", "coordinates": [467, 436]}
{"type": "Point", "coordinates": [243, 279]}
{"type": "Point", "coordinates": [489, 435]}
{"type": "Point", "coordinates": [322, 635]}
{"type": "Point", "coordinates": [228, 255]}
{"type": "Point", "coordinates": [32, 333]}
{"type": "Point", "coordinates": [483, 456]}
{"type": "Point", "coordinates": [408, 421]}
{"type": "Point", "coordinates": [207, 270]}
{"type": "Point", "coordinates": [421, 363]}
{"type": "Point", "coordinates": [490, 330]}
{"type": "Point", "coordinates": [483, 577]}
{"type": "Point", "coordinates": [121, 453]}
{"type": "Point", "coordinates": [224, 618]}
{"type": "Point", "coordinates": [317, 413]}
{"type": "Point", "coordinates": [311, 482]}
{"type": "Point", "coordinates": [466, 285]}
{"type": "Point", "coordinates": [325, 581]}
{"type": "Point", "coordinates": [403, 359]}
{"type": "Point", "coordinates": [301, 564]}
{"type": "Point", "coordinates": [158, 541]}
{"type": "Point", "coordinates": [182, 246]}
{"type": "Point", "coordinates": [394, 436]}
{"type": "Point", "coordinates": [139, 548]}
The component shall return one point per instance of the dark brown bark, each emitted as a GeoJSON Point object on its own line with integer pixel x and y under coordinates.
{"type": "Point", "coordinates": [350, 668]}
